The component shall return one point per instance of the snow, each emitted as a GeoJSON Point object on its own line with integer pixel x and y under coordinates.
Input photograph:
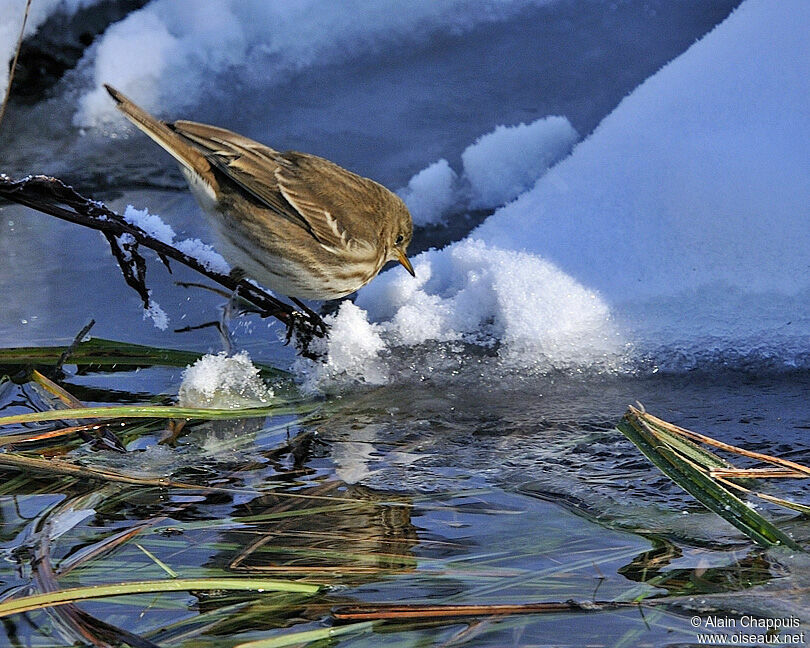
{"type": "Point", "coordinates": [688, 208]}
{"type": "Point", "coordinates": [205, 254]}
{"type": "Point", "coordinates": [430, 193]}
{"type": "Point", "coordinates": [223, 382]}
{"type": "Point", "coordinates": [678, 228]}
{"type": "Point", "coordinates": [155, 313]}
{"type": "Point", "coordinates": [480, 294]}
{"type": "Point", "coordinates": [351, 352]}
{"type": "Point", "coordinates": [503, 164]}
{"type": "Point", "coordinates": [168, 57]}
{"type": "Point", "coordinates": [149, 223]}
{"type": "Point", "coordinates": [497, 168]}
{"type": "Point", "coordinates": [154, 225]}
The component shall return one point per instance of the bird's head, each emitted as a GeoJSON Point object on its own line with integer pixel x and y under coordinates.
{"type": "Point", "coordinates": [400, 233]}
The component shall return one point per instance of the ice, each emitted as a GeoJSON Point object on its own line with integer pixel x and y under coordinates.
{"type": "Point", "coordinates": [223, 382]}
{"type": "Point", "coordinates": [506, 162]}
{"type": "Point", "coordinates": [169, 56]}
{"type": "Point", "coordinates": [430, 193]}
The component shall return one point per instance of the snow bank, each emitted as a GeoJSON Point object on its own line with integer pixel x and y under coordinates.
{"type": "Point", "coordinates": [168, 57]}
{"type": "Point", "coordinates": [686, 215]}
{"type": "Point", "coordinates": [698, 177]}
{"type": "Point", "coordinates": [688, 208]}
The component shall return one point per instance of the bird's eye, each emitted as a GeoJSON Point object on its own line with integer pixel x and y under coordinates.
{"type": "Point", "coordinates": [399, 240]}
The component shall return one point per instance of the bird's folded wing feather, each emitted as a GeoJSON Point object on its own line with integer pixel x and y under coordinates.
{"type": "Point", "coordinates": [284, 183]}
{"type": "Point", "coordinates": [340, 208]}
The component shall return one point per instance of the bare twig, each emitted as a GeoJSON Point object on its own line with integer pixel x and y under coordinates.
{"type": "Point", "coordinates": [57, 370]}
{"type": "Point", "coordinates": [52, 196]}
{"type": "Point", "coordinates": [384, 611]}
{"type": "Point", "coordinates": [777, 461]}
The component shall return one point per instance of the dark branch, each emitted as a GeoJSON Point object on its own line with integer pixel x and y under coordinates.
{"type": "Point", "coordinates": [51, 196]}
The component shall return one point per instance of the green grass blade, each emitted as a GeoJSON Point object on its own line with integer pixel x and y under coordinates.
{"type": "Point", "coordinates": [98, 352]}
{"type": "Point", "coordinates": [727, 505]}
{"type": "Point", "coordinates": [157, 411]}
{"type": "Point", "coordinates": [61, 597]}
{"type": "Point", "coordinates": [169, 571]}
{"type": "Point", "coordinates": [685, 447]}
{"type": "Point", "coordinates": [706, 490]}
{"type": "Point", "coordinates": [308, 636]}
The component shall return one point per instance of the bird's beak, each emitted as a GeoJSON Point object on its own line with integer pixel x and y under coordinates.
{"type": "Point", "coordinates": [404, 261]}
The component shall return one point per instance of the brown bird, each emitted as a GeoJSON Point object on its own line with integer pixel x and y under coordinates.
{"type": "Point", "coordinates": [297, 223]}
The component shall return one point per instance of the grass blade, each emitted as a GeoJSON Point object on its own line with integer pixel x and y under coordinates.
{"type": "Point", "coordinates": [108, 354]}
{"type": "Point", "coordinates": [157, 411]}
{"type": "Point", "coordinates": [684, 468]}
{"type": "Point", "coordinates": [308, 636]}
{"type": "Point", "coordinates": [169, 571]}
{"type": "Point", "coordinates": [39, 601]}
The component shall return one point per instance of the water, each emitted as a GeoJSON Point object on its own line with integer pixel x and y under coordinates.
{"type": "Point", "coordinates": [464, 479]}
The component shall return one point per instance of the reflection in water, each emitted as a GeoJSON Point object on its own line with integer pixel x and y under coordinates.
{"type": "Point", "coordinates": [329, 530]}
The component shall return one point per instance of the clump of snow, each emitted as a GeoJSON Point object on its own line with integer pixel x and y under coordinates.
{"type": "Point", "coordinates": [195, 248]}
{"type": "Point", "coordinates": [164, 46]}
{"type": "Point", "coordinates": [506, 162]}
{"type": "Point", "coordinates": [205, 254]}
{"type": "Point", "coordinates": [223, 382]}
{"type": "Point", "coordinates": [477, 293]}
{"type": "Point", "coordinates": [351, 353]}
{"type": "Point", "coordinates": [498, 167]}
{"type": "Point", "coordinates": [149, 223]}
{"type": "Point", "coordinates": [430, 193]}
{"type": "Point", "coordinates": [155, 313]}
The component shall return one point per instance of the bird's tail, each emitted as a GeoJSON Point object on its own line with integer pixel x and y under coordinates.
{"type": "Point", "coordinates": [189, 157]}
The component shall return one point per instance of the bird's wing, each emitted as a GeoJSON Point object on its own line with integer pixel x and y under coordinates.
{"type": "Point", "coordinates": [310, 191]}
{"type": "Point", "coordinates": [341, 207]}
{"type": "Point", "coordinates": [249, 164]}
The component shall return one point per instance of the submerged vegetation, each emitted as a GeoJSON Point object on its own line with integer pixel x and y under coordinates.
{"type": "Point", "coordinates": [143, 525]}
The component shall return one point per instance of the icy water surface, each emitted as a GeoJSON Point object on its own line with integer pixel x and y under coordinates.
{"type": "Point", "coordinates": [439, 492]}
